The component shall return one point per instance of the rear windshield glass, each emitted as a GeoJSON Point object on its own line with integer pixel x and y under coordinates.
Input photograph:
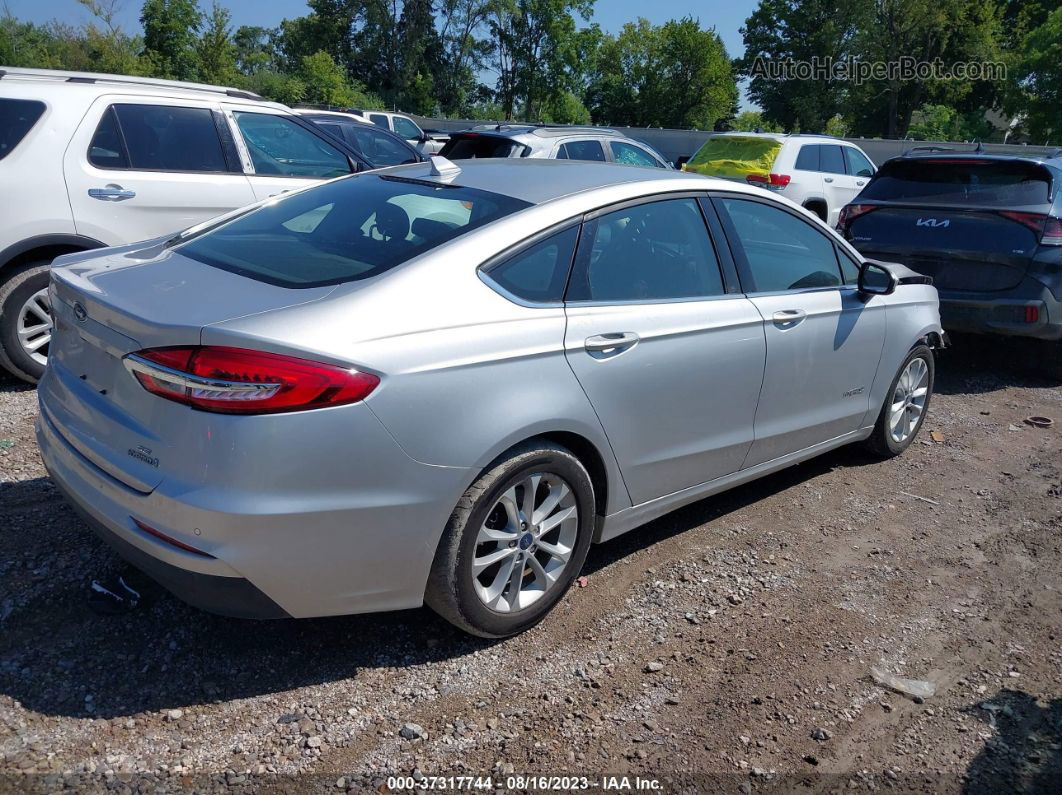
{"type": "Point", "coordinates": [975, 182]}
{"type": "Point", "coordinates": [346, 230]}
{"type": "Point", "coordinates": [463, 147]}
{"type": "Point", "coordinates": [17, 116]}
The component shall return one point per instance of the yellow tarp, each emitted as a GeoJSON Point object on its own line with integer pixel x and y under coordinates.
{"type": "Point", "coordinates": [734, 156]}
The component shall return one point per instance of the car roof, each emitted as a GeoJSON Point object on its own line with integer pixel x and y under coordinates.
{"type": "Point", "coordinates": [776, 136]}
{"type": "Point", "coordinates": [57, 77]}
{"type": "Point", "coordinates": [538, 130]}
{"type": "Point", "coordinates": [310, 112]}
{"type": "Point", "coordinates": [948, 154]}
{"type": "Point", "coordinates": [538, 181]}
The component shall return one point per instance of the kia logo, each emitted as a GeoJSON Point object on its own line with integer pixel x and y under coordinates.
{"type": "Point", "coordinates": [80, 313]}
{"type": "Point", "coordinates": [933, 222]}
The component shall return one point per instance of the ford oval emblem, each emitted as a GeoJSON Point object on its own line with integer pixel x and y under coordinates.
{"type": "Point", "coordinates": [79, 312]}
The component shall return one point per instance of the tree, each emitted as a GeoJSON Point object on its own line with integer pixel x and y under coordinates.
{"type": "Point", "coordinates": [536, 52]}
{"type": "Point", "coordinates": [326, 83]}
{"type": "Point", "coordinates": [216, 50]}
{"type": "Point", "coordinates": [798, 32]}
{"type": "Point", "coordinates": [171, 33]}
{"type": "Point", "coordinates": [464, 50]}
{"type": "Point", "coordinates": [255, 48]}
{"type": "Point", "coordinates": [753, 121]}
{"type": "Point", "coordinates": [1039, 75]}
{"type": "Point", "coordinates": [944, 32]}
{"type": "Point", "coordinates": [675, 75]}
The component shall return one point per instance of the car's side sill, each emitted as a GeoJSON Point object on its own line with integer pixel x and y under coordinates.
{"type": "Point", "coordinates": [629, 518]}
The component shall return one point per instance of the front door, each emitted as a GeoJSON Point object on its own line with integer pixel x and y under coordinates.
{"type": "Point", "coordinates": [142, 167]}
{"type": "Point", "coordinates": [671, 362]}
{"type": "Point", "coordinates": [824, 340]}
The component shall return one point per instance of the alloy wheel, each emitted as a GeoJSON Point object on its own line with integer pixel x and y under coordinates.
{"type": "Point", "coordinates": [35, 326]}
{"type": "Point", "coordinates": [526, 542]}
{"type": "Point", "coordinates": [909, 400]}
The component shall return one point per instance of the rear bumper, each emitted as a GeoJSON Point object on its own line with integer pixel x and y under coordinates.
{"type": "Point", "coordinates": [273, 553]}
{"type": "Point", "coordinates": [226, 596]}
{"type": "Point", "coordinates": [1028, 310]}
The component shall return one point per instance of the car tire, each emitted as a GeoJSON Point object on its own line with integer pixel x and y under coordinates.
{"type": "Point", "coordinates": [485, 527]}
{"type": "Point", "coordinates": [885, 441]}
{"type": "Point", "coordinates": [17, 292]}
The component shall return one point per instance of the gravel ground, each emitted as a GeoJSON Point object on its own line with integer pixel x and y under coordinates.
{"type": "Point", "coordinates": [726, 647]}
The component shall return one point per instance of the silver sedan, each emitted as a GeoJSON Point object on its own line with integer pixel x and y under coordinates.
{"type": "Point", "coordinates": [440, 385]}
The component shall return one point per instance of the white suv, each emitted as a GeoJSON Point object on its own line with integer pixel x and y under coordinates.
{"type": "Point", "coordinates": [820, 173]}
{"type": "Point", "coordinates": [103, 160]}
{"type": "Point", "coordinates": [404, 127]}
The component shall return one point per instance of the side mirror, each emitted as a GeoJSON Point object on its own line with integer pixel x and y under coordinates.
{"type": "Point", "coordinates": [876, 279]}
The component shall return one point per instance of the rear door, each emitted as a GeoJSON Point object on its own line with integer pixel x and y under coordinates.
{"type": "Point", "coordinates": [671, 360]}
{"type": "Point", "coordinates": [823, 339]}
{"type": "Point", "coordinates": [142, 167]}
{"type": "Point", "coordinates": [588, 149]}
{"type": "Point", "coordinates": [282, 154]}
{"type": "Point", "coordinates": [840, 186]}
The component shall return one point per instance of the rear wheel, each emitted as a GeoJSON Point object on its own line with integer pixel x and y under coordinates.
{"type": "Point", "coordinates": [515, 542]}
{"type": "Point", "coordinates": [905, 405]}
{"type": "Point", "coordinates": [25, 321]}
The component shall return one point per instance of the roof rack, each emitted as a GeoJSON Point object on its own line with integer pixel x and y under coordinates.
{"type": "Point", "coordinates": [94, 77]}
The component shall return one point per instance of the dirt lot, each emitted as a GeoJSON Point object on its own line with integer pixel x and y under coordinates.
{"type": "Point", "coordinates": [725, 647]}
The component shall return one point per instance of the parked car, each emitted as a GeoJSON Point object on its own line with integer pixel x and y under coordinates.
{"type": "Point", "coordinates": [558, 143]}
{"type": "Point", "coordinates": [374, 144]}
{"type": "Point", "coordinates": [820, 173]}
{"type": "Point", "coordinates": [439, 384]}
{"type": "Point", "coordinates": [986, 228]}
{"type": "Point", "coordinates": [104, 160]}
{"type": "Point", "coordinates": [426, 142]}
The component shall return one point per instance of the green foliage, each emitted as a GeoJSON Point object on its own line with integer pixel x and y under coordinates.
{"type": "Point", "coordinates": [1039, 76]}
{"type": "Point", "coordinates": [752, 120]}
{"type": "Point", "coordinates": [276, 86]}
{"type": "Point", "coordinates": [566, 108]}
{"type": "Point", "coordinates": [171, 35]}
{"type": "Point", "coordinates": [674, 75]}
{"type": "Point", "coordinates": [216, 50]}
{"type": "Point", "coordinates": [324, 82]}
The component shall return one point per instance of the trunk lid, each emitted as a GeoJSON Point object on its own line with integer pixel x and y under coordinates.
{"type": "Point", "coordinates": [128, 299]}
{"type": "Point", "coordinates": [943, 216]}
{"type": "Point", "coordinates": [961, 248]}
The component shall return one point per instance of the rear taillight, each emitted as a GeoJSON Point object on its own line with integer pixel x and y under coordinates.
{"type": "Point", "coordinates": [238, 381]}
{"type": "Point", "coordinates": [1052, 235]}
{"type": "Point", "coordinates": [771, 181]}
{"type": "Point", "coordinates": [850, 212]}
{"type": "Point", "coordinates": [1047, 228]}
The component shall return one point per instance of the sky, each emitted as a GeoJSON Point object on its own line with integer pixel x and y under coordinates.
{"type": "Point", "coordinates": [727, 16]}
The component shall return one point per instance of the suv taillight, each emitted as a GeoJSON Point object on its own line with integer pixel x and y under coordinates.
{"type": "Point", "coordinates": [850, 212]}
{"type": "Point", "coordinates": [1047, 228]}
{"type": "Point", "coordinates": [770, 181]}
{"type": "Point", "coordinates": [238, 381]}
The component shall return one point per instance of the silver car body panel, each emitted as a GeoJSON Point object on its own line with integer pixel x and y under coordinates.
{"type": "Point", "coordinates": [340, 510]}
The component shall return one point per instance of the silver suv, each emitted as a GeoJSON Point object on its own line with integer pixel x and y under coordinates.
{"type": "Point", "coordinates": [553, 143]}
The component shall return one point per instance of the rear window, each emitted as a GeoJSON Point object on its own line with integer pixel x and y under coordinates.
{"type": "Point", "coordinates": [17, 117]}
{"type": "Point", "coordinates": [346, 230]}
{"type": "Point", "coordinates": [464, 147]}
{"type": "Point", "coordinates": [735, 156]}
{"type": "Point", "coordinates": [985, 183]}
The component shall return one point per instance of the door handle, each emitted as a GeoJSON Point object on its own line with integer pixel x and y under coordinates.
{"type": "Point", "coordinates": [111, 193]}
{"type": "Point", "coordinates": [827, 179]}
{"type": "Point", "coordinates": [602, 343]}
{"type": "Point", "coordinates": [789, 317]}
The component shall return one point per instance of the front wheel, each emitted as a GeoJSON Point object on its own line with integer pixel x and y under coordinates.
{"type": "Point", "coordinates": [905, 405]}
{"type": "Point", "coordinates": [514, 543]}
